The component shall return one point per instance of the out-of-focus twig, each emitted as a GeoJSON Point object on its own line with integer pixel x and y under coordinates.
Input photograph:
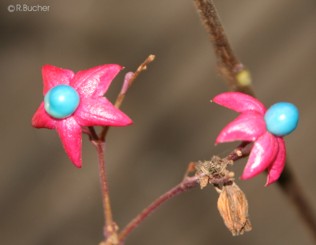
{"type": "Point", "coordinates": [291, 188]}
{"type": "Point", "coordinates": [231, 69]}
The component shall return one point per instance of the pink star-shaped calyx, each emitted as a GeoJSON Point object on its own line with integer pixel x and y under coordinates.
{"type": "Point", "coordinates": [85, 91]}
{"type": "Point", "coordinates": [268, 151]}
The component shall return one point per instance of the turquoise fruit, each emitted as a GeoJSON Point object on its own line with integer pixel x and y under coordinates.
{"type": "Point", "coordinates": [61, 101]}
{"type": "Point", "coordinates": [281, 118]}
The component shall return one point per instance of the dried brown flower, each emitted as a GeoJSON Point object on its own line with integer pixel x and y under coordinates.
{"type": "Point", "coordinates": [213, 171]}
{"type": "Point", "coordinates": [233, 207]}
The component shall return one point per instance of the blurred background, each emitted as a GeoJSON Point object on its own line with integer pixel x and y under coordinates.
{"type": "Point", "coordinates": [45, 200]}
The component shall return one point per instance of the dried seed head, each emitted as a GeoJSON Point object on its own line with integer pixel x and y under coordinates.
{"type": "Point", "coordinates": [213, 171]}
{"type": "Point", "coordinates": [233, 207]}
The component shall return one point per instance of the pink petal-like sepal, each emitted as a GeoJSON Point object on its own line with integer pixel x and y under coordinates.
{"type": "Point", "coordinates": [265, 128]}
{"type": "Point", "coordinates": [246, 127]}
{"type": "Point", "coordinates": [95, 81]}
{"type": "Point", "coordinates": [70, 134]}
{"type": "Point", "coordinates": [53, 76]}
{"type": "Point", "coordinates": [276, 168]}
{"type": "Point", "coordinates": [262, 155]}
{"type": "Point", "coordinates": [239, 102]}
{"type": "Point", "coordinates": [84, 104]}
{"type": "Point", "coordinates": [42, 120]}
{"type": "Point", "coordinates": [100, 112]}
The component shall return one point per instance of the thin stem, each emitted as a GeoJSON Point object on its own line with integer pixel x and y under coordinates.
{"type": "Point", "coordinates": [93, 134]}
{"type": "Point", "coordinates": [103, 182]}
{"type": "Point", "coordinates": [131, 80]}
{"type": "Point", "coordinates": [128, 82]}
{"type": "Point", "coordinates": [187, 184]}
{"type": "Point", "coordinates": [229, 66]}
{"type": "Point", "coordinates": [239, 152]}
{"type": "Point", "coordinates": [239, 80]}
{"type": "Point", "coordinates": [110, 228]}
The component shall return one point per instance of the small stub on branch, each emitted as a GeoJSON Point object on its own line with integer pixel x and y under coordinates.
{"type": "Point", "coordinates": [232, 204]}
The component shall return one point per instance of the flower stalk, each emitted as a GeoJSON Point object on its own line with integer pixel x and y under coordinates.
{"type": "Point", "coordinates": [110, 227]}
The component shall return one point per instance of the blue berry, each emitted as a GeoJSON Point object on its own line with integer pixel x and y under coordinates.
{"type": "Point", "coordinates": [281, 118]}
{"type": "Point", "coordinates": [61, 101]}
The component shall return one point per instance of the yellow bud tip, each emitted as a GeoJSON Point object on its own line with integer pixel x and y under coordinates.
{"type": "Point", "coordinates": [243, 78]}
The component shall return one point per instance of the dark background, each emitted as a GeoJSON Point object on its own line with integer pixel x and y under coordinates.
{"type": "Point", "coordinates": [45, 200]}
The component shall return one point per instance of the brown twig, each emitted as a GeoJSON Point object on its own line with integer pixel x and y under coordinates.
{"type": "Point", "coordinates": [239, 80]}
{"type": "Point", "coordinates": [231, 69]}
{"type": "Point", "coordinates": [129, 80]}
